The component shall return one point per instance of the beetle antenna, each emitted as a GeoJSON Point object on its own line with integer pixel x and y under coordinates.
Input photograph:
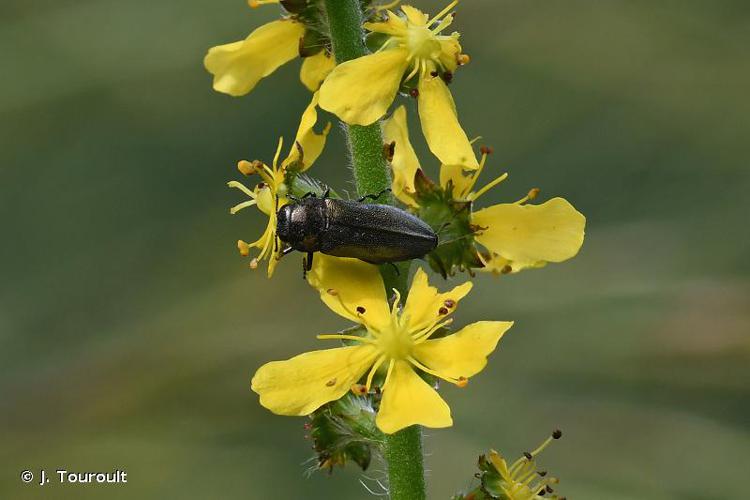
{"type": "Point", "coordinates": [441, 243]}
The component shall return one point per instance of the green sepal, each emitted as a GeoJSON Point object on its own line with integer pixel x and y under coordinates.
{"type": "Point", "coordinates": [450, 219]}
{"type": "Point", "coordinates": [344, 431]}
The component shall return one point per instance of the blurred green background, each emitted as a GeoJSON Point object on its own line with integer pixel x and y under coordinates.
{"type": "Point", "coordinates": [130, 327]}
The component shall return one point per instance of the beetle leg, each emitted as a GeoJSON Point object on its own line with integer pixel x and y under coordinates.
{"type": "Point", "coordinates": [309, 194]}
{"type": "Point", "coordinates": [326, 193]}
{"type": "Point", "coordinates": [373, 196]}
{"type": "Point", "coordinates": [308, 264]}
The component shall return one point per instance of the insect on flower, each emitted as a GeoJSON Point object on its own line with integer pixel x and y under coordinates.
{"type": "Point", "coordinates": [373, 233]}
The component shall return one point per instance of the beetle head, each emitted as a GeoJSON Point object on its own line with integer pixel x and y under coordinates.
{"type": "Point", "coordinates": [299, 224]}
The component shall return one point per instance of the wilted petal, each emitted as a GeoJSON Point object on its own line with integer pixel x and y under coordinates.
{"type": "Point", "coordinates": [237, 67]}
{"type": "Point", "coordinates": [444, 135]}
{"type": "Point", "coordinates": [409, 400]}
{"type": "Point", "coordinates": [464, 353]}
{"type": "Point", "coordinates": [531, 235]}
{"type": "Point", "coordinates": [346, 285]}
{"type": "Point", "coordinates": [315, 69]}
{"type": "Point", "coordinates": [425, 303]}
{"type": "Point", "coordinates": [405, 163]}
{"type": "Point", "coordinates": [304, 383]}
{"type": "Point", "coordinates": [361, 90]}
{"type": "Point", "coordinates": [307, 144]}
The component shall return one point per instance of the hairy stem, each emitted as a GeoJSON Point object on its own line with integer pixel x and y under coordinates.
{"type": "Point", "coordinates": [402, 450]}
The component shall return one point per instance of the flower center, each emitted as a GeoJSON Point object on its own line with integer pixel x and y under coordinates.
{"type": "Point", "coordinates": [396, 343]}
{"type": "Point", "coordinates": [422, 43]}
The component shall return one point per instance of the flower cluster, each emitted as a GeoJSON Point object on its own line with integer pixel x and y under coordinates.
{"type": "Point", "coordinates": [384, 375]}
{"type": "Point", "coordinates": [521, 480]}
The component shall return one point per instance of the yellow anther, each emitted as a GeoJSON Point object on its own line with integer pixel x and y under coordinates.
{"type": "Point", "coordinates": [462, 382]}
{"type": "Point", "coordinates": [359, 389]}
{"type": "Point", "coordinates": [243, 247]}
{"type": "Point", "coordinates": [254, 263]}
{"type": "Point", "coordinates": [463, 59]}
{"type": "Point", "coordinates": [254, 4]}
{"type": "Point", "coordinates": [246, 167]}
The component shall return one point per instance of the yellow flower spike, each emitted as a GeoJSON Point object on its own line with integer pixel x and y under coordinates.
{"type": "Point", "coordinates": [315, 69]}
{"type": "Point", "coordinates": [404, 163]}
{"type": "Point", "coordinates": [237, 67]}
{"type": "Point", "coordinates": [530, 235]}
{"type": "Point", "coordinates": [307, 144]}
{"type": "Point", "coordinates": [269, 195]}
{"type": "Point", "coordinates": [396, 341]}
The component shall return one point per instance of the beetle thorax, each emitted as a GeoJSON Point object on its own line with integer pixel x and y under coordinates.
{"type": "Point", "coordinates": [301, 224]}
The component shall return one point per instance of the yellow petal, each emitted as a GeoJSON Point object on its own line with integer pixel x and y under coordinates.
{"type": "Point", "coordinates": [530, 235]}
{"type": "Point", "coordinates": [409, 400]}
{"type": "Point", "coordinates": [424, 304]}
{"type": "Point", "coordinates": [405, 163]}
{"type": "Point", "coordinates": [315, 69]}
{"type": "Point", "coordinates": [394, 26]}
{"type": "Point", "coordinates": [361, 90]}
{"type": "Point", "coordinates": [464, 353]}
{"type": "Point", "coordinates": [237, 67]}
{"type": "Point", "coordinates": [444, 135]}
{"type": "Point", "coordinates": [307, 144]}
{"type": "Point", "coordinates": [348, 284]}
{"type": "Point", "coordinates": [302, 384]}
{"type": "Point", "coordinates": [462, 183]}
{"type": "Point", "coordinates": [450, 49]}
{"type": "Point", "coordinates": [414, 15]}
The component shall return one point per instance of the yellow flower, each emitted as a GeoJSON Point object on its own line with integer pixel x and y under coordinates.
{"type": "Point", "coordinates": [397, 341]}
{"type": "Point", "coordinates": [360, 91]}
{"type": "Point", "coordinates": [238, 66]}
{"type": "Point", "coordinates": [517, 235]}
{"type": "Point", "coordinates": [521, 481]}
{"type": "Point", "coordinates": [269, 195]}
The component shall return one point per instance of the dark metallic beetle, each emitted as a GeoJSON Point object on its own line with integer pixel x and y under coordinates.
{"type": "Point", "coordinates": [373, 233]}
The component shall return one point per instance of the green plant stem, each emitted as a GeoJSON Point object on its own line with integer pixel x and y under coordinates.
{"type": "Point", "coordinates": [402, 450]}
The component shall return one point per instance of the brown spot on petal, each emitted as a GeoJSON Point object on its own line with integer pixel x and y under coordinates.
{"type": "Point", "coordinates": [449, 303]}
{"type": "Point", "coordinates": [443, 310]}
{"type": "Point", "coordinates": [361, 310]}
{"type": "Point", "coordinates": [506, 269]}
{"type": "Point", "coordinates": [332, 291]}
{"type": "Point", "coordinates": [331, 382]}
{"type": "Point", "coordinates": [414, 93]}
